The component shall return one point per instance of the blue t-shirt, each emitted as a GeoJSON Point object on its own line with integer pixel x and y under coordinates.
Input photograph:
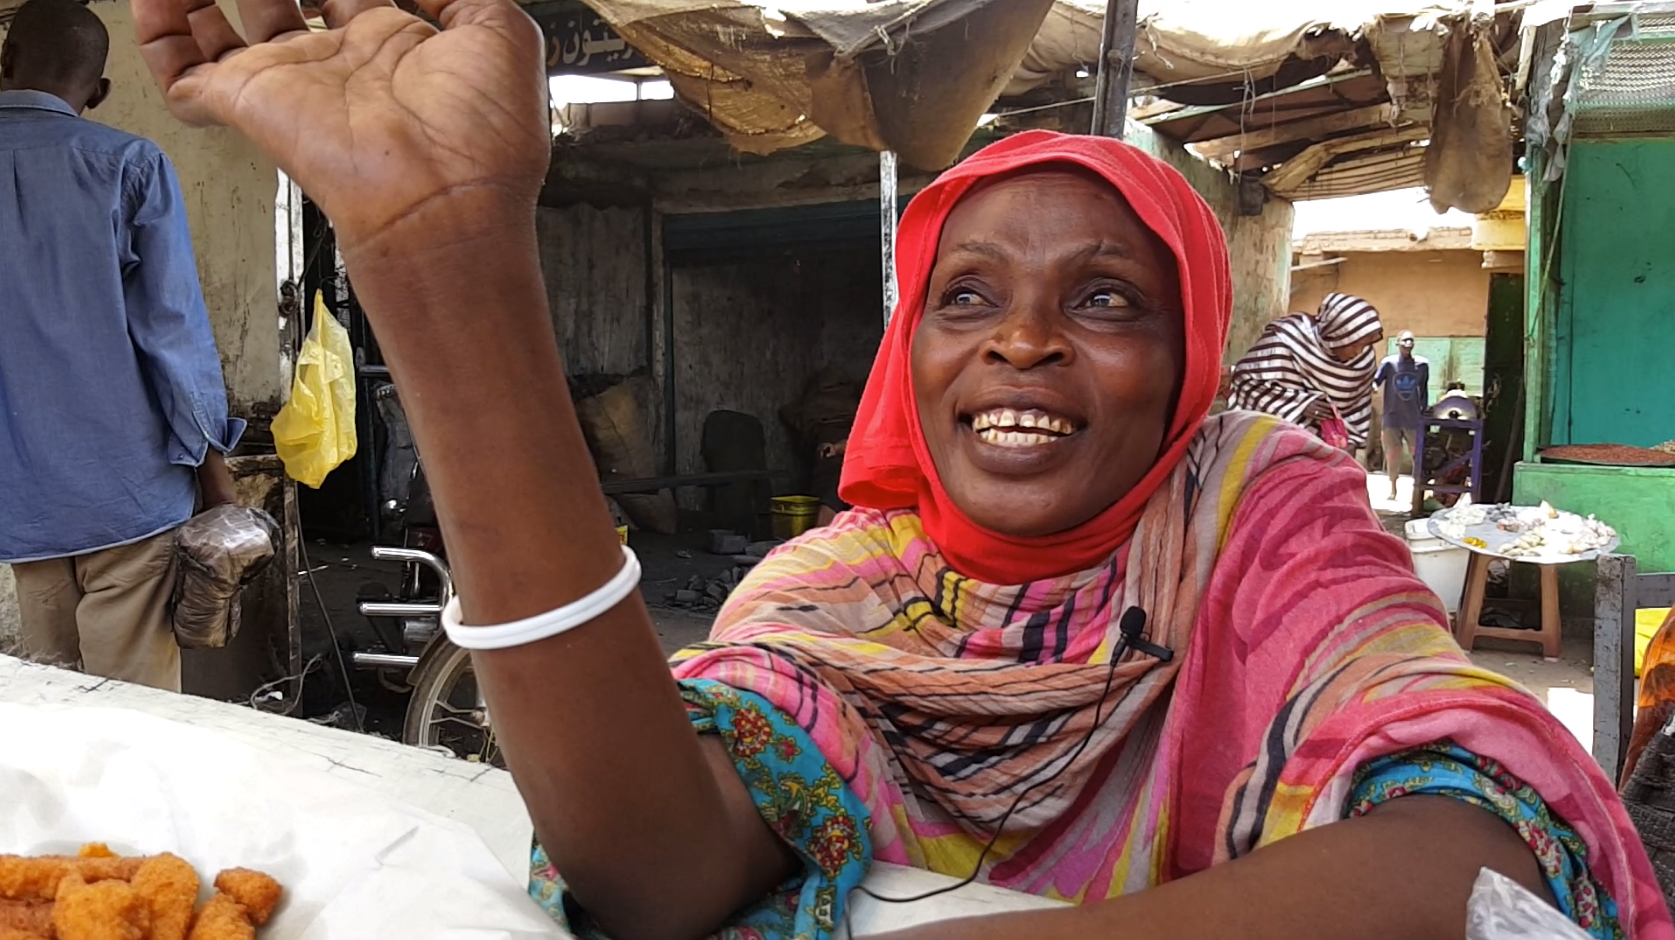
{"type": "Point", "coordinates": [1406, 384]}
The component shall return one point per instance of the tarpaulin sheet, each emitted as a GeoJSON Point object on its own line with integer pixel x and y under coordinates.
{"type": "Point", "coordinates": [1179, 41]}
{"type": "Point", "coordinates": [915, 75]}
{"type": "Point", "coordinates": [911, 76]}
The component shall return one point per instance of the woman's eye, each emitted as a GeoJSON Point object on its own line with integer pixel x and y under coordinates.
{"type": "Point", "coordinates": [1107, 299]}
{"type": "Point", "coordinates": [963, 298]}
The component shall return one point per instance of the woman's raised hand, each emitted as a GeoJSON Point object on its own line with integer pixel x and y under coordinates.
{"type": "Point", "coordinates": [390, 125]}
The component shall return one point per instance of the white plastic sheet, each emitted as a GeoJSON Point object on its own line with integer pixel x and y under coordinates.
{"type": "Point", "coordinates": [354, 862]}
{"type": "Point", "coordinates": [1502, 909]}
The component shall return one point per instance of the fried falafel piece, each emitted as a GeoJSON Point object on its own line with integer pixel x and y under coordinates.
{"type": "Point", "coordinates": [104, 910]}
{"type": "Point", "coordinates": [169, 885]}
{"type": "Point", "coordinates": [258, 892]}
{"type": "Point", "coordinates": [37, 878]}
{"type": "Point", "coordinates": [223, 918]}
{"type": "Point", "coordinates": [30, 918]}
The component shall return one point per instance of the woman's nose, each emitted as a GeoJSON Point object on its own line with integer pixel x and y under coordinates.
{"type": "Point", "coordinates": [1030, 335]}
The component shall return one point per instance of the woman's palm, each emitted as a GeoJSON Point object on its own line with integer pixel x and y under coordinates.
{"type": "Point", "coordinates": [375, 118]}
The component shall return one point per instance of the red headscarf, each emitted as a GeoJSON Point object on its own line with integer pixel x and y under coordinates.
{"type": "Point", "coordinates": [887, 464]}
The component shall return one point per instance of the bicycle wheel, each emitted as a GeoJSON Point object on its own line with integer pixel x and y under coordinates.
{"type": "Point", "coordinates": [446, 711]}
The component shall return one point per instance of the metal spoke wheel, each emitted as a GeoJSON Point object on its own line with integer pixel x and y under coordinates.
{"type": "Point", "coordinates": [446, 711]}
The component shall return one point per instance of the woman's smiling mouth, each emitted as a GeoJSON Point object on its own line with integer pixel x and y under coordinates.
{"type": "Point", "coordinates": [1030, 427]}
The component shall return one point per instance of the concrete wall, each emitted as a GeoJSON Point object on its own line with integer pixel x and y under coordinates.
{"type": "Point", "coordinates": [229, 192]}
{"type": "Point", "coordinates": [595, 266]}
{"type": "Point", "coordinates": [1432, 293]}
{"type": "Point", "coordinates": [595, 262]}
{"type": "Point", "coordinates": [748, 336]}
{"type": "Point", "coordinates": [1258, 246]}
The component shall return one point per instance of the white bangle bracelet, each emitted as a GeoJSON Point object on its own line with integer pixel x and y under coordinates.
{"type": "Point", "coordinates": [550, 624]}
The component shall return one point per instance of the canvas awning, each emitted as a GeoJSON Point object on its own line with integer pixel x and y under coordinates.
{"type": "Point", "coordinates": [1345, 91]}
{"type": "Point", "coordinates": [912, 76]}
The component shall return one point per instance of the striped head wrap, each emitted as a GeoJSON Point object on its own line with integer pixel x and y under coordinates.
{"type": "Point", "coordinates": [1293, 365]}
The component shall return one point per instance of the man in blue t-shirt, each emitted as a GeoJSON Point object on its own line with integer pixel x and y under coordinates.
{"type": "Point", "coordinates": [1406, 381]}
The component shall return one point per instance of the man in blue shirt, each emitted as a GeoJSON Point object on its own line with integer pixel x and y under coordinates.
{"type": "Point", "coordinates": [113, 412]}
{"type": "Point", "coordinates": [1406, 380]}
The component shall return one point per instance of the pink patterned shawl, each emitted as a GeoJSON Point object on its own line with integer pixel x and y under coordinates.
{"type": "Point", "coordinates": [1305, 647]}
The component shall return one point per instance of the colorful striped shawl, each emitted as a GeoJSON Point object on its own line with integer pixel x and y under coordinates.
{"type": "Point", "coordinates": [1305, 647]}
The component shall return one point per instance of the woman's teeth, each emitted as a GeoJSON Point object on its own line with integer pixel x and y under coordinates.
{"type": "Point", "coordinates": [1008, 428]}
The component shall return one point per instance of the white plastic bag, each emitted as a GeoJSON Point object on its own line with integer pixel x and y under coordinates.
{"type": "Point", "coordinates": [356, 865]}
{"type": "Point", "coordinates": [1502, 909]}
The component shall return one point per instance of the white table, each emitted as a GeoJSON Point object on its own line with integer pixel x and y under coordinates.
{"type": "Point", "coordinates": [480, 797]}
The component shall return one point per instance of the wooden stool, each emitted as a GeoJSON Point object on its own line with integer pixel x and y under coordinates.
{"type": "Point", "coordinates": [1471, 610]}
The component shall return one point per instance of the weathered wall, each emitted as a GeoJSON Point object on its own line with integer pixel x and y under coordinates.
{"type": "Point", "coordinates": [594, 261]}
{"type": "Point", "coordinates": [1258, 246]}
{"type": "Point", "coordinates": [229, 193]}
{"type": "Point", "coordinates": [1432, 293]}
{"type": "Point", "coordinates": [748, 336]}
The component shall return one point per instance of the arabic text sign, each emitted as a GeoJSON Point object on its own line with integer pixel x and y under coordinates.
{"type": "Point", "coordinates": [583, 43]}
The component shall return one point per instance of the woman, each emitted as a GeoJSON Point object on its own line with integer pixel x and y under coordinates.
{"type": "Point", "coordinates": [1288, 720]}
{"type": "Point", "coordinates": [1303, 367]}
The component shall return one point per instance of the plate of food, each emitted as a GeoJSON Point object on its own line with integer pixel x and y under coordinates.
{"type": "Point", "coordinates": [117, 825]}
{"type": "Point", "coordinates": [1538, 534]}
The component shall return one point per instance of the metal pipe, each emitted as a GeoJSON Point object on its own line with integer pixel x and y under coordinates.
{"type": "Point", "coordinates": [398, 609]}
{"type": "Point", "coordinates": [887, 179]}
{"type": "Point", "coordinates": [1310, 266]}
{"type": "Point", "coordinates": [415, 556]}
{"type": "Point", "coordinates": [384, 661]}
{"type": "Point", "coordinates": [1116, 67]}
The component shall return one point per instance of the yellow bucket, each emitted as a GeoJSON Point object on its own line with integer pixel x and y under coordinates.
{"type": "Point", "coordinates": [794, 515]}
{"type": "Point", "coordinates": [622, 534]}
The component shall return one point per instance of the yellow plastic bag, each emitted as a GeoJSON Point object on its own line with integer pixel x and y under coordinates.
{"type": "Point", "coordinates": [315, 432]}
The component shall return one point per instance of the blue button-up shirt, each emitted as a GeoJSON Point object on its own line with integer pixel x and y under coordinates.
{"type": "Point", "coordinates": [110, 386]}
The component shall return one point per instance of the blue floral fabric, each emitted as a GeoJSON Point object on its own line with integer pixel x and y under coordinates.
{"type": "Point", "coordinates": [814, 811]}
{"type": "Point", "coordinates": [797, 792]}
{"type": "Point", "coordinates": [1446, 769]}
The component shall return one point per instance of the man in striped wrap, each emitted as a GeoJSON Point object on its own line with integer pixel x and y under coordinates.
{"type": "Point", "coordinates": [1303, 367]}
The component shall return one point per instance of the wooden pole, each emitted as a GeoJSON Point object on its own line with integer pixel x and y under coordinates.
{"type": "Point", "coordinates": [1116, 67]}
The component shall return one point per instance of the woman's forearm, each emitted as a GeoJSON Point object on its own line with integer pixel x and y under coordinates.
{"type": "Point", "coordinates": [653, 833]}
{"type": "Point", "coordinates": [1403, 872]}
